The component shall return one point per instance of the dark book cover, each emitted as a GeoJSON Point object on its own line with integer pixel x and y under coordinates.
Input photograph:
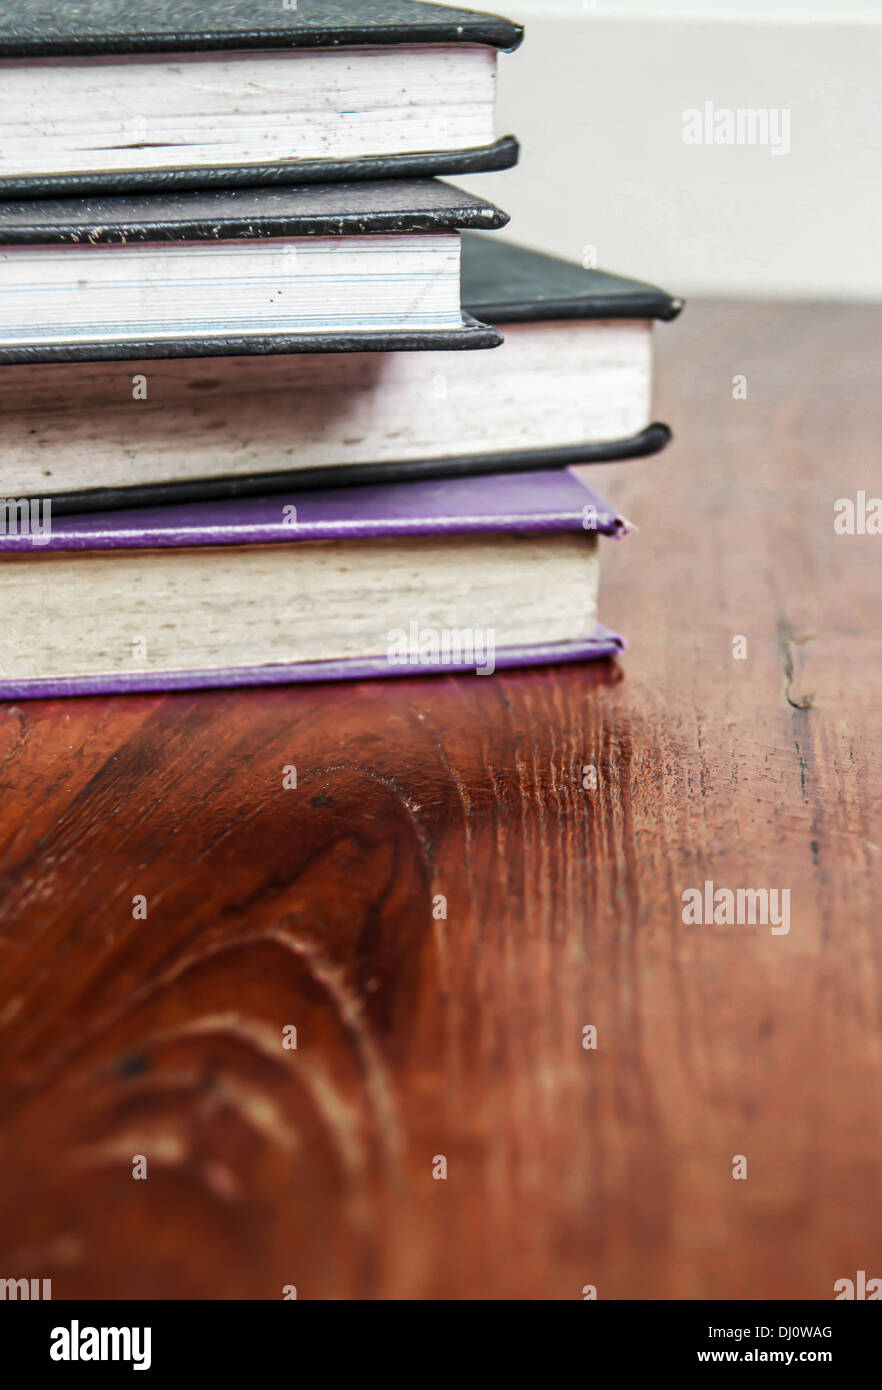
{"type": "Point", "coordinates": [505, 283]}
{"type": "Point", "coordinates": [49, 29]}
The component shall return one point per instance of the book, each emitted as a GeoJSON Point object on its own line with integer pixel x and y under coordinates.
{"type": "Point", "coordinates": [571, 384]}
{"type": "Point", "coordinates": [325, 268]}
{"type": "Point", "coordinates": [135, 95]}
{"type": "Point", "coordinates": [407, 579]}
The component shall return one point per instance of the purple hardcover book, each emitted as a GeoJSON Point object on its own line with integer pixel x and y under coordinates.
{"type": "Point", "coordinates": [101, 573]}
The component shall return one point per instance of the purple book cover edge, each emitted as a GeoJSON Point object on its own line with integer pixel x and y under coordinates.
{"type": "Point", "coordinates": [555, 500]}
{"type": "Point", "coordinates": [603, 643]}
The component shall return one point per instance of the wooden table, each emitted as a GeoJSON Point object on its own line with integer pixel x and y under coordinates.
{"type": "Point", "coordinates": [421, 1037]}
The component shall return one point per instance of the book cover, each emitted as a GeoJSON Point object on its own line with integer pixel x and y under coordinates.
{"type": "Point", "coordinates": [45, 29]}
{"type": "Point", "coordinates": [507, 283]}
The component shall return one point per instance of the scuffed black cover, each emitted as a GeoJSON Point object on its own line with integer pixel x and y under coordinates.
{"type": "Point", "coordinates": [503, 283]}
{"type": "Point", "coordinates": [396, 205]}
{"type": "Point", "coordinates": [470, 335]}
{"type": "Point", "coordinates": [108, 499]}
{"type": "Point", "coordinates": [484, 159]}
{"type": "Point", "coordinates": [74, 28]}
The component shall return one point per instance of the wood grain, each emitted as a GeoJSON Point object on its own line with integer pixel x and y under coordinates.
{"type": "Point", "coordinates": [462, 1037]}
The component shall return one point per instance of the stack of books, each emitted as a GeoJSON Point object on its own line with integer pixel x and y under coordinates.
{"type": "Point", "coordinates": [277, 403]}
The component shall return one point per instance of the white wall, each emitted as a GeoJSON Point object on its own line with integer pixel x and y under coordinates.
{"type": "Point", "coordinates": [597, 95]}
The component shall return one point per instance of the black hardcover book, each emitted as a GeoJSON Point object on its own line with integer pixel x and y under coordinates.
{"type": "Point", "coordinates": [325, 268]}
{"type": "Point", "coordinates": [571, 384]}
{"type": "Point", "coordinates": [512, 284]}
{"type": "Point", "coordinates": [156, 94]}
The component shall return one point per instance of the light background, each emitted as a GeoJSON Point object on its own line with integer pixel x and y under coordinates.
{"type": "Point", "coordinates": [597, 95]}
